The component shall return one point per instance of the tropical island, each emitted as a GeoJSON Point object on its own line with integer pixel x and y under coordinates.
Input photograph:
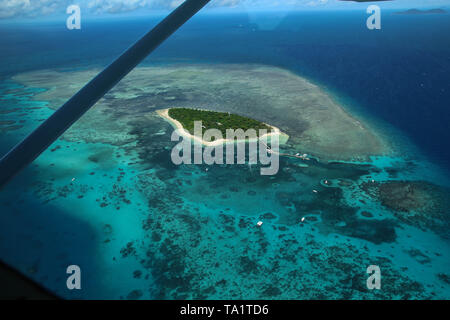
{"type": "Point", "coordinates": [185, 118]}
{"type": "Point", "coordinates": [316, 123]}
{"type": "Point", "coordinates": [215, 120]}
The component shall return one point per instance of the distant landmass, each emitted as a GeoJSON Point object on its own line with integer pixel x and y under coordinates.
{"type": "Point", "coordinates": [417, 11]}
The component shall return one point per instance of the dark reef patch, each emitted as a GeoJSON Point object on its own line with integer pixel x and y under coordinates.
{"type": "Point", "coordinates": [419, 256]}
{"type": "Point", "coordinates": [134, 295]}
{"type": "Point", "coordinates": [271, 291]}
{"type": "Point", "coordinates": [267, 216]}
{"type": "Point", "coordinates": [417, 203]}
{"type": "Point", "coordinates": [377, 231]}
{"type": "Point", "coordinates": [128, 250]}
{"type": "Point", "coordinates": [444, 278]}
{"type": "Point", "coordinates": [366, 214]}
{"type": "Point", "coordinates": [248, 266]}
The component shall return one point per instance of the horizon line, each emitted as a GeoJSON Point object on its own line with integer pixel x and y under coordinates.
{"type": "Point", "coordinates": [222, 11]}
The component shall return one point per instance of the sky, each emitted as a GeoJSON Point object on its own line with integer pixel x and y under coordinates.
{"type": "Point", "coordinates": [35, 9]}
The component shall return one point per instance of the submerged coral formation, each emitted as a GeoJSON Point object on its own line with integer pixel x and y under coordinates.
{"type": "Point", "coordinates": [316, 124]}
{"type": "Point", "coordinates": [418, 203]}
{"type": "Point", "coordinates": [107, 197]}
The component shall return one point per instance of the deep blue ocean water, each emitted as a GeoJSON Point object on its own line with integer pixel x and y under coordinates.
{"type": "Point", "coordinates": [334, 49]}
{"type": "Point", "coordinates": [396, 77]}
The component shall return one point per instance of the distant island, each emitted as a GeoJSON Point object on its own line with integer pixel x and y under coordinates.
{"type": "Point", "coordinates": [184, 118]}
{"type": "Point", "coordinates": [417, 11]}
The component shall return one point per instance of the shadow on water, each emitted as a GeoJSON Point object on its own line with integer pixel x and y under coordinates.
{"type": "Point", "coordinates": [41, 240]}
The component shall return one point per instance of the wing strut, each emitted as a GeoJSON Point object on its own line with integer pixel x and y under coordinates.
{"type": "Point", "coordinates": [42, 137]}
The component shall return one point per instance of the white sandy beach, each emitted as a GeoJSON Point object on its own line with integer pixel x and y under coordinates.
{"type": "Point", "coordinates": [315, 123]}
{"type": "Point", "coordinates": [164, 113]}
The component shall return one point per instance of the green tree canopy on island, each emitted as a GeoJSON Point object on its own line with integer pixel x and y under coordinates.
{"type": "Point", "coordinates": [215, 120]}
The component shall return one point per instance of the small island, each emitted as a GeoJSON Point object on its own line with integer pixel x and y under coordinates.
{"type": "Point", "coordinates": [184, 118]}
{"type": "Point", "coordinates": [214, 120]}
{"type": "Point", "coordinates": [317, 125]}
{"type": "Point", "coordinates": [417, 11]}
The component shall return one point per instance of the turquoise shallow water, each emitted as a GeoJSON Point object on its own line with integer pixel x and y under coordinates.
{"type": "Point", "coordinates": [140, 227]}
{"type": "Point", "coordinates": [149, 229]}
